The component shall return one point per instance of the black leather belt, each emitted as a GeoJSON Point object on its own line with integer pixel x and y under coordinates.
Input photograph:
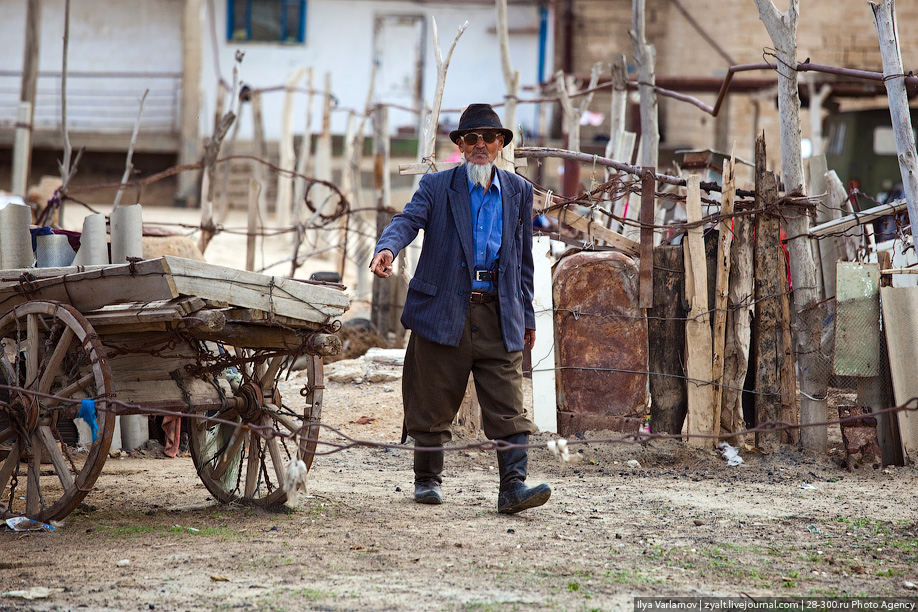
{"type": "Point", "coordinates": [482, 297]}
{"type": "Point", "coordinates": [489, 276]}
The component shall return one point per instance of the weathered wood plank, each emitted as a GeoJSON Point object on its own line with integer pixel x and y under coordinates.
{"type": "Point", "coordinates": [768, 334]}
{"type": "Point", "coordinates": [700, 416]}
{"type": "Point", "coordinates": [283, 296]}
{"type": "Point", "coordinates": [424, 168]}
{"type": "Point", "coordinates": [789, 412]}
{"type": "Point", "coordinates": [648, 199]}
{"type": "Point", "coordinates": [721, 288]}
{"type": "Point", "coordinates": [144, 312]}
{"type": "Point", "coordinates": [826, 248]}
{"type": "Point", "coordinates": [594, 230]}
{"type": "Point", "coordinates": [666, 341]}
{"type": "Point", "coordinates": [167, 278]}
{"type": "Point", "coordinates": [899, 307]}
{"type": "Point", "coordinates": [739, 330]}
{"type": "Point", "coordinates": [90, 289]}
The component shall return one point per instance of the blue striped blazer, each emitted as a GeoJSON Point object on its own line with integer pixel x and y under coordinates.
{"type": "Point", "coordinates": [438, 294]}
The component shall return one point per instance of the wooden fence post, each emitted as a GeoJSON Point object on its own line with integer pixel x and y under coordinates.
{"type": "Point", "coordinates": [287, 158]}
{"type": "Point", "coordinates": [768, 335]}
{"type": "Point", "coordinates": [724, 242]}
{"type": "Point", "coordinates": [645, 56]}
{"type": "Point", "coordinates": [666, 341]}
{"type": "Point", "coordinates": [739, 331]}
{"type": "Point", "coordinates": [381, 309]}
{"type": "Point", "coordinates": [700, 417]}
{"type": "Point", "coordinates": [648, 198]}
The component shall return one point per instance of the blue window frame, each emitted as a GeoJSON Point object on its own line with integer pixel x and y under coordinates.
{"type": "Point", "coordinates": [281, 21]}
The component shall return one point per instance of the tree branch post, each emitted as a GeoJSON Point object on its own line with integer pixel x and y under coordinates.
{"type": "Point", "coordinates": [645, 56]}
{"type": "Point", "coordinates": [433, 119]}
{"type": "Point", "coordinates": [129, 163]}
{"type": "Point", "coordinates": [884, 15]}
{"type": "Point", "coordinates": [814, 364]}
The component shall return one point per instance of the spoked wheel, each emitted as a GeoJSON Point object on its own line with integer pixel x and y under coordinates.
{"type": "Point", "coordinates": [49, 348]}
{"type": "Point", "coordinates": [243, 465]}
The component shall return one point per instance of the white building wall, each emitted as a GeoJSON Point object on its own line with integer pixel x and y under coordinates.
{"type": "Point", "coordinates": [136, 45]}
{"type": "Point", "coordinates": [340, 40]}
{"type": "Point", "coordinates": [143, 38]}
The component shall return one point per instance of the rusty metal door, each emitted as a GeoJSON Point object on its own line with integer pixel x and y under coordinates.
{"type": "Point", "coordinates": [601, 343]}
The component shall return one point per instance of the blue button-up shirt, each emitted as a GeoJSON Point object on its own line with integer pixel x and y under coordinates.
{"type": "Point", "coordinates": [487, 228]}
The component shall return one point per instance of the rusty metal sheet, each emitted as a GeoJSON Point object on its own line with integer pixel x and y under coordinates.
{"type": "Point", "coordinates": [859, 433]}
{"type": "Point", "coordinates": [601, 343]}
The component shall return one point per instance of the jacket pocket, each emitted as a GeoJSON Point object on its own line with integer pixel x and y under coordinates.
{"type": "Point", "coordinates": [420, 286]}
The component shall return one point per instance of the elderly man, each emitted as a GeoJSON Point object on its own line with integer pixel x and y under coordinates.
{"type": "Point", "coordinates": [469, 307]}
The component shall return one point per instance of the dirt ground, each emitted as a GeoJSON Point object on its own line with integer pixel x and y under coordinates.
{"type": "Point", "coordinates": [678, 522]}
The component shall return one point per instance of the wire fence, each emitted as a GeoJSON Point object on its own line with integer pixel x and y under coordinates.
{"type": "Point", "coordinates": [334, 223]}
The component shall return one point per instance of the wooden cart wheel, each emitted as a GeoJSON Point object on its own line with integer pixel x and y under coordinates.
{"type": "Point", "coordinates": [49, 347]}
{"type": "Point", "coordinates": [241, 465]}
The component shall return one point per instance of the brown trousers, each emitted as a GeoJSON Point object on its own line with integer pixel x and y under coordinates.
{"type": "Point", "coordinates": [436, 375]}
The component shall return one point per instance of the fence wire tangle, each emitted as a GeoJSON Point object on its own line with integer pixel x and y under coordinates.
{"type": "Point", "coordinates": [68, 406]}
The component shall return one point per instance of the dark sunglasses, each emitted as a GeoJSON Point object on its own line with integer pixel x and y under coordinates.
{"type": "Point", "coordinates": [471, 139]}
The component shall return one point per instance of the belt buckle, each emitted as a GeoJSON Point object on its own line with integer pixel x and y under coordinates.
{"type": "Point", "coordinates": [485, 275]}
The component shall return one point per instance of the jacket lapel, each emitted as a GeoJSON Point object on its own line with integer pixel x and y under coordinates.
{"type": "Point", "coordinates": [461, 205]}
{"type": "Point", "coordinates": [510, 197]}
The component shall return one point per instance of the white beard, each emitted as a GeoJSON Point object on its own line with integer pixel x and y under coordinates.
{"type": "Point", "coordinates": [480, 174]}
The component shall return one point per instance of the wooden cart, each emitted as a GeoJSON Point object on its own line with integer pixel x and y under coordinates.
{"type": "Point", "coordinates": [167, 334]}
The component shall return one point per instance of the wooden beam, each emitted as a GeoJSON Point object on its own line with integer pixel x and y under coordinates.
{"type": "Point", "coordinates": [90, 289]}
{"type": "Point", "coordinates": [287, 161]}
{"type": "Point", "coordinates": [279, 295]}
{"type": "Point", "coordinates": [424, 168]}
{"type": "Point", "coordinates": [260, 336]}
{"type": "Point", "coordinates": [861, 218]}
{"type": "Point", "coordinates": [593, 229]}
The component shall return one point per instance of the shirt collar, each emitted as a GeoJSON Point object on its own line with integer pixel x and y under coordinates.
{"type": "Point", "coordinates": [495, 182]}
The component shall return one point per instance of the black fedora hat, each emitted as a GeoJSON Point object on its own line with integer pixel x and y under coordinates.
{"type": "Point", "coordinates": [480, 117]}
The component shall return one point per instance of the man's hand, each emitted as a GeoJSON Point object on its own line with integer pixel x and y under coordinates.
{"type": "Point", "coordinates": [381, 265]}
{"type": "Point", "coordinates": [529, 339]}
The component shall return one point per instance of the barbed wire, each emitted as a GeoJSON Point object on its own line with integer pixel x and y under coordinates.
{"type": "Point", "coordinates": [598, 199]}
{"type": "Point", "coordinates": [119, 408]}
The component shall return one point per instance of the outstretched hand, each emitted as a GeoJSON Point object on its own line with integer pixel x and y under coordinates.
{"type": "Point", "coordinates": [381, 265]}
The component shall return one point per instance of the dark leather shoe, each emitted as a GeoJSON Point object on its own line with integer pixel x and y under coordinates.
{"type": "Point", "coordinates": [428, 493]}
{"type": "Point", "coordinates": [519, 497]}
